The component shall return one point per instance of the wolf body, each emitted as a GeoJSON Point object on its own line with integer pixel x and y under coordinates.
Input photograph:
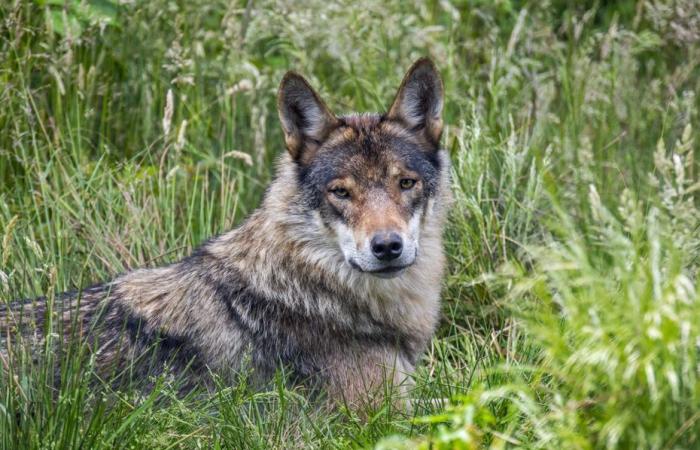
{"type": "Point", "coordinates": [336, 277]}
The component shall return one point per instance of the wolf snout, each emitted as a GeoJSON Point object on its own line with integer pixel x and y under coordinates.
{"type": "Point", "coordinates": [386, 246]}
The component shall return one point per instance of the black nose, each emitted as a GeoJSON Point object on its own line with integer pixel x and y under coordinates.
{"type": "Point", "coordinates": [386, 246]}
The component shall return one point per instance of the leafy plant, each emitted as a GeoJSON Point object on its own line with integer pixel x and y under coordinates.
{"type": "Point", "coordinates": [69, 18]}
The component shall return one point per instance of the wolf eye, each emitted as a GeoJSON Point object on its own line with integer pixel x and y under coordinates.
{"type": "Point", "coordinates": [340, 192]}
{"type": "Point", "coordinates": [407, 183]}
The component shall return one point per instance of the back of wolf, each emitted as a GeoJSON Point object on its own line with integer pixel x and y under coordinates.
{"type": "Point", "coordinates": [88, 328]}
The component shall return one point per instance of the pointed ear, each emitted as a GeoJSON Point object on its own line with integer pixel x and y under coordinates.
{"type": "Point", "coordinates": [418, 103]}
{"type": "Point", "coordinates": [306, 121]}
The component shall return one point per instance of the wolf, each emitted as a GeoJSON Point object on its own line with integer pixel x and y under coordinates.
{"type": "Point", "coordinates": [336, 277]}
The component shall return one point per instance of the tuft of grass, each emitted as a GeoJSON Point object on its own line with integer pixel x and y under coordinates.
{"type": "Point", "coordinates": [130, 131]}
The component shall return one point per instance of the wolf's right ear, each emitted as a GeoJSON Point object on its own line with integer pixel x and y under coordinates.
{"type": "Point", "coordinates": [306, 120]}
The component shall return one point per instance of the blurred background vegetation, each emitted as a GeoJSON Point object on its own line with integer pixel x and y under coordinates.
{"type": "Point", "coordinates": [132, 130]}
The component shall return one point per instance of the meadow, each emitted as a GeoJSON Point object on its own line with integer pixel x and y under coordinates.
{"type": "Point", "coordinates": [132, 130]}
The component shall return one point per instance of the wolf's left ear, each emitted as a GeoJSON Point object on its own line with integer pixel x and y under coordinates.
{"type": "Point", "coordinates": [306, 120]}
{"type": "Point", "coordinates": [418, 103]}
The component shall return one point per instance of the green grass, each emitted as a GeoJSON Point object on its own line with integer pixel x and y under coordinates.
{"type": "Point", "coordinates": [571, 309]}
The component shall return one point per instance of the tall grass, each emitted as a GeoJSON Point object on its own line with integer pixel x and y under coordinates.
{"type": "Point", "coordinates": [131, 131]}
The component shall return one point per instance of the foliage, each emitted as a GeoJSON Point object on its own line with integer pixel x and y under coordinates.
{"type": "Point", "coordinates": [131, 131]}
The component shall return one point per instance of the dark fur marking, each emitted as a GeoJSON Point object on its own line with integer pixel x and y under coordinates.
{"type": "Point", "coordinates": [167, 348]}
{"type": "Point", "coordinates": [287, 336]}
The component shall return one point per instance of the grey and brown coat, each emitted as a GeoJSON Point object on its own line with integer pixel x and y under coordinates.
{"type": "Point", "coordinates": [336, 277]}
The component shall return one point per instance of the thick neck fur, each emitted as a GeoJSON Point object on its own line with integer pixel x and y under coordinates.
{"type": "Point", "coordinates": [285, 245]}
{"type": "Point", "coordinates": [282, 258]}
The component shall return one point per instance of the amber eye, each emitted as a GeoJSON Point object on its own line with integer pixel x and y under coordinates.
{"type": "Point", "coordinates": [407, 183]}
{"type": "Point", "coordinates": [340, 192]}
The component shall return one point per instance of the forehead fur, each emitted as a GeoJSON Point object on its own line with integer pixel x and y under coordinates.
{"type": "Point", "coordinates": [364, 122]}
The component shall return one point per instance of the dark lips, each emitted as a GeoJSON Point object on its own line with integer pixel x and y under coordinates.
{"type": "Point", "coordinates": [386, 271]}
{"type": "Point", "coordinates": [392, 269]}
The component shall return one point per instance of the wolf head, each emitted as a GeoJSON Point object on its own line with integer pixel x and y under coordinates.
{"type": "Point", "coordinates": [369, 177]}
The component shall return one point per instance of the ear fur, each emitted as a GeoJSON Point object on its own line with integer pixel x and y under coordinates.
{"type": "Point", "coordinates": [306, 120]}
{"type": "Point", "coordinates": [418, 102]}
